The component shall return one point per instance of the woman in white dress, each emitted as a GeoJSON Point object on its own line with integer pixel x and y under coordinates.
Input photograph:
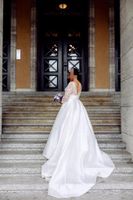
{"type": "Point", "coordinates": [74, 157]}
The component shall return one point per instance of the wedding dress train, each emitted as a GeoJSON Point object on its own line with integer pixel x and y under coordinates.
{"type": "Point", "coordinates": [74, 157]}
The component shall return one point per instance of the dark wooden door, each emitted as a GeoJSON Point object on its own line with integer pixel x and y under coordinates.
{"type": "Point", "coordinates": [62, 44]}
{"type": "Point", "coordinates": [58, 57]}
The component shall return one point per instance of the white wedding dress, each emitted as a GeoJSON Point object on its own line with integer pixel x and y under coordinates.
{"type": "Point", "coordinates": [74, 157]}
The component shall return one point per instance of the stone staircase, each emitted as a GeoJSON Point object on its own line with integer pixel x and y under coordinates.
{"type": "Point", "coordinates": [27, 121]}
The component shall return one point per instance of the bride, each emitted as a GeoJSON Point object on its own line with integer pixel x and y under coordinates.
{"type": "Point", "coordinates": [74, 157]}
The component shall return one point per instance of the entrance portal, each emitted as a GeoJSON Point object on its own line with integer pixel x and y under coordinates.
{"type": "Point", "coordinates": [62, 43]}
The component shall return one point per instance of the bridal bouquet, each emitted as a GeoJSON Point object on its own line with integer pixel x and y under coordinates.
{"type": "Point", "coordinates": [58, 97]}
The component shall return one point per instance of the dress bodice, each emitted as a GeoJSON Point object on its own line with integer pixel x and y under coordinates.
{"type": "Point", "coordinates": [71, 91]}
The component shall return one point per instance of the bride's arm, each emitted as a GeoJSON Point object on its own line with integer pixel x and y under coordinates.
{"type": "Point", "coordinates": [68, 91]}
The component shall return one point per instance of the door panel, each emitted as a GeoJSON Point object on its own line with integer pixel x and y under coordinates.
{"type": "Point", "coordinates": [51, 66]}
{"type": "Point", "coordinates": [58, 58]}
{"type": "Point", "coordinates": [73, 57]}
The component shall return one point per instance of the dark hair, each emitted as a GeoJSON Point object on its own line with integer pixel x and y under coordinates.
{"type": "Point", "coordinates": [75, 71]}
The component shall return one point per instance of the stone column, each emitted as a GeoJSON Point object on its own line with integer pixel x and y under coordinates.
{"type": "Point", "coordinates": [13, 47]}
{"type": "Point", "coordinates": [126, 13]}
{"type": "Point", "coordinates": [92, 65]}
{"type": "Point", "coordinates": [33, 47]}
{"type": "Point", "coordinates": [1, 47]}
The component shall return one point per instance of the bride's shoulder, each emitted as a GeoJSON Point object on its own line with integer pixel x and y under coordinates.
{"type": "Point", "coordinates": [71, 83]}
{"type": "Point", "coordinates": [79, 83]}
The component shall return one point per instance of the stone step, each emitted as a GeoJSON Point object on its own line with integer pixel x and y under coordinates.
{"type": "Point", "coordinates": [48, 97]}
{"type": "Point", "coordinates": [13, 169]}
{"type": "Point", "coordinates": [47, 128]}
{"type": "Point", "coordinates": [50, 101]}
{"type": "Point", "coordinates": [32, 145]}
{"type": "Point", "coordinates": [93, 194]}
{"type": "Point", "coordinates": [36, 155]}
{"type": "Point", "coordinates": [34, 169]}
{"type": "Point", "coordinates": [42, 136]}
{"type": "Point", "coordinates": [45, 132]}
{"type": "Point", "coordinates": [27, 121]}
{"type": "Point", "coordinates": [43, 117]}
{"type": "Point", "coordinates": [44, 98]}
{"type": "Point", "coordinates": [50, 94]}
{"type": "Point", "coordinates": [43, 139]}
{"type": "Point", "coordinates": [96, 95]}
{"type": "Point", "coordinates": [56, 106]}
{"type": "Point", "coordinates": [25, 183]}
{"type": "Point", "coordinates": [48, 121]}
{"type": "Point", "coordinates": [93, 94]}
{"type": "Point", "coordinates": [56, 109]}
{"type": "Point", "coordinates": [53, 114]}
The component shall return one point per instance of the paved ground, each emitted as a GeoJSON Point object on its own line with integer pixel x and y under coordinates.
{"type": "Point", "coordinates": [91, 195]}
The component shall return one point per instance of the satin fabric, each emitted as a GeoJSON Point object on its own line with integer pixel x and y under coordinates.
{"type": "Point", "coordinates": [74, 157]}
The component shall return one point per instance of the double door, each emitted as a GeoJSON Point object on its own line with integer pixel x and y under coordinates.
{"type": "Point", "coordinates": [59, 55]}
{"type": "Point", "coordinates": [62, 44]}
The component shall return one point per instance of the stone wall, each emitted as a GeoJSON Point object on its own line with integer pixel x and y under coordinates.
{"type": "Point", "coordinates": [127, 72]}
{"type": "Point", "coordinates": [1, 45]}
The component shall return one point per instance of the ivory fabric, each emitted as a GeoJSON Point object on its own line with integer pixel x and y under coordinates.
{"type": "Point", "coordinates": [74, 157]}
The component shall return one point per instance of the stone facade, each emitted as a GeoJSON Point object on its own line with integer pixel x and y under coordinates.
{"type": "Point", "coordinates": [1, 42]}
{"type": "Point", "coordinates": [126, 56]}
{"type": "Point", "coordinates": [91, 47]}
{"type": "Point", "coordinates": [127, 73]}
